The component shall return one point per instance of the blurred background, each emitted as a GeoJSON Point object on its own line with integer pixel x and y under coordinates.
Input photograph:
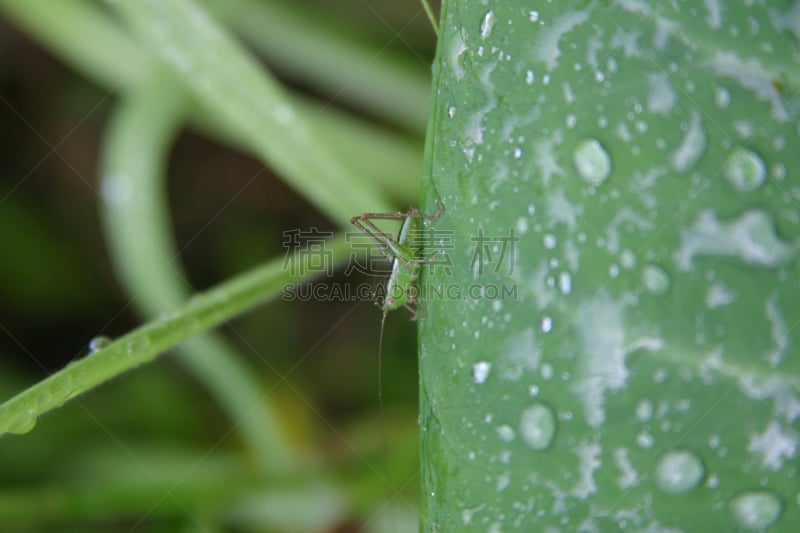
{"type": "Point", "coordinates": [153, 450]}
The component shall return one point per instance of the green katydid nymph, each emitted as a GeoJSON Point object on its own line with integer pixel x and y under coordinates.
{"type": "Point", "coordinates": [403, 253]}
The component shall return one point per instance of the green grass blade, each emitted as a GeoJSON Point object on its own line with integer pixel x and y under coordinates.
{"type": "Point", "coordinates": [133, 192]}
{"type": "Point", "coordinates": [204, 311]}
{"type": "Point", "coordinates": [247, 504]}
{"type": "Point", "coordinates": [136, 220]}
{"type": "Point", "coordinates": [84, 37]}
{"type": "Point", "coordinates": [647, 375]}
{"type": "Point", "coordinates": [231, 83]}
{"type": "Point", "coordinates": [372, 80]}
{"type": "Point", "coordinates": [390, 160]}
{"type": "Point", "coordinates": [394, 162]}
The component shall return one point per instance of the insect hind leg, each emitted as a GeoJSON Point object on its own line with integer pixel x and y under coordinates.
{"type": "Point", "coordinates": [436, 215]}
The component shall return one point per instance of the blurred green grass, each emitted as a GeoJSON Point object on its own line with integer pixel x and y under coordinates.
{"type": "Point", "coordinates": [99, 463]}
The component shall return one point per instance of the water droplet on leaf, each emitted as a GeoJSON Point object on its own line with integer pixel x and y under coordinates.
{"type": "Point", "coordinates": [137, 344]}
{"type": "Point", "coordinates": [98, 343]}
{"type": "Point", "coordinates": [756, 510]}
{"type": "Point", "coordinates": [21, 424]}
{"type": "Point", "coordinates": [692, 145]}
{"type": "Point", "coordinates": [722, 97]}
{"type": "Point", "coordinates": [487, 25]}
{"type": "Point", "coordinates": [564, 283]}
{"type": "Point", "coordinates": [655, 279]}
{"type": "Point", "coordinates": [745, 170]}
{"type": "Point", "coordinates": [679, 471]}
{"type": "Point", "coordinates": [480, 371]}
{"type": "Point", "coordinates": [506, 432]}
{"type": "Point", "coordinates": [644, 410]}
{"type": "Point", "coordinates": [592, 161]}
{"type": "Point", "coordinates": [537, 426]}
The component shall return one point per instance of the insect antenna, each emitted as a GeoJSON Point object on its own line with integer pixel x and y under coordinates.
{"type": "Point", "coordinates": [384, 445]}
{"type": "Point", "coordinates": [380, 397]}
{"type": "Point", "coordinates": [429, 11]}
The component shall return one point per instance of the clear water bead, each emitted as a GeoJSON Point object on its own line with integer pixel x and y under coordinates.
{"type": "Point", "coordinates": [679, 471]}
{"type": "Point", "coordinates": [756, 510]}
{"type": "Point", "coordinates": [592, 161]}
{"type": "Point", "coordinates": [537, 426]}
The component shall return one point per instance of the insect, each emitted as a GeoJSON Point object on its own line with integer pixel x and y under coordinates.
{"type": "Point", "coordinates": [404, 253]}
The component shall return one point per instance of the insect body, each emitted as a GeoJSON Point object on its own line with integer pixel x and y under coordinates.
{"type": "Point", "coordinates": [403, 252]}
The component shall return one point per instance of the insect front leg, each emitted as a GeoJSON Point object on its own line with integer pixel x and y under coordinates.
{"type": "Point", "coordinates": [384, 241]}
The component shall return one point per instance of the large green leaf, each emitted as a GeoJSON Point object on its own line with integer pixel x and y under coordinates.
{"type": "Point", "coordinates": [646, 378]}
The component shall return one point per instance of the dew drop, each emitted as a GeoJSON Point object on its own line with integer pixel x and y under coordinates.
{"type": "Point", "coordinates": [44, 400]}
{"type": "Point", "coordinates": [692, 145]}
{"type": "Point", "coordinates": [644, 410]}
{"type": "Point", "coordinates": [98, 343]}
{"type": "Point", "coordinates": [745, 170]}
{"type": "Point", "coordinates": [522, 225]}
{"type": "Point", "coordinates": [592, 161]}
{"type": "Point", "coordinates": [627, 258]}
{"type": "Point", "coordinates": [565, 283]}
{"type": "Point", "coordinates": [756, 510]}
{"type": "Point", "coordinates": [571, 121]}
{"type": "Point", "coordinates": [506, 432]}
{"type": "Point", "coordinates": [645, 440]}
{"type": "Point", "coordinates": [530, 77]}
{"type": "Point", "coordinates": [457, 50]}
{"type": "Point", "coordinates": [487, 25]}
{"type": "Point", "coordinates": [537, 426]}
{"type": "Point", "coordinates": [137, 345]}
{"type": "Point", "coordinates": [655, 279]}
{"type": "Point", "coordinates": [480, 371]}
{"type": "Point", "coordinates": [20, 424]}
{"type": "Point", "coordinates": [779, 171]}
{"type": "Point", "coordinates": [679, 471]}
{"type": "Point", "coordinates": [722, 97]}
